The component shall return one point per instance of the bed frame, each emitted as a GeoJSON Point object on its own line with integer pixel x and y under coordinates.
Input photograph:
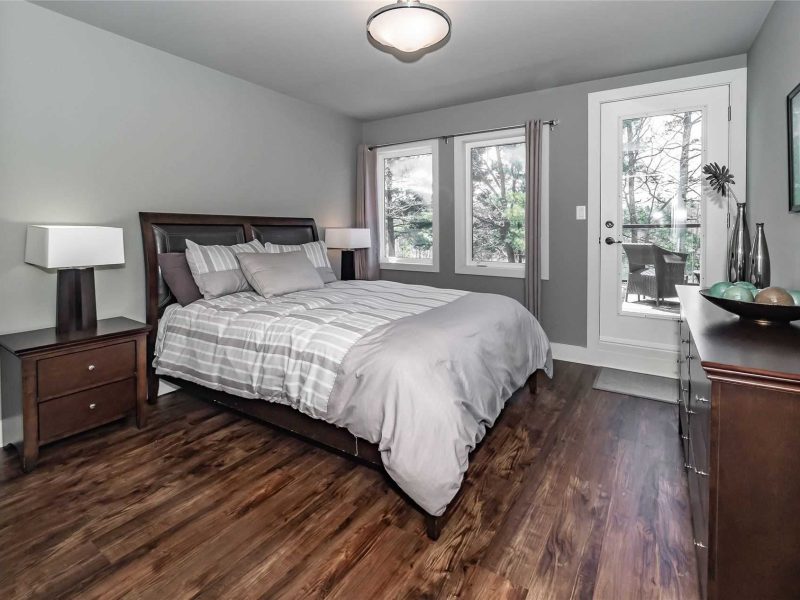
{"type": "Point", "coordinates": [168, 232]}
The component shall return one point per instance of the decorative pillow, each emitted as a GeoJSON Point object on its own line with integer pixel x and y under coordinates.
{"type": "Point", "coordinates": [176, 273]}
{"type": "Point", "coordinates": [317, 253]}
{"type": "Point", "coordinates": [281, 273]}
{"type": "Point", "coordinates": [215, 268]}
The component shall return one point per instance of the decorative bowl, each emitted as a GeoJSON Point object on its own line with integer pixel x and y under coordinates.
{"type": "Point", "coordinates": [764, 314]}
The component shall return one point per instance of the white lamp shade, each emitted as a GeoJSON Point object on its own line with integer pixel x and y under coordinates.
{"type": "Point", "coordinates": [73, 246]}
{"type": "Point", "coordinates": [409, 25]}
{"type": "Point", "coordinates": [350, 238]}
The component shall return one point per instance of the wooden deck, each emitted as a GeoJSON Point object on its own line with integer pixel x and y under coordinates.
{"type": "Point", "coordinates": [575, 494]}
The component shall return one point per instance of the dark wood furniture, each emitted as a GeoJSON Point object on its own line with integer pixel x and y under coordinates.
{"type": "Point", "coordinates": [58, 384]}
{"type": "Point", "coordinates": [168, 232]}
{"type": "Point", "coordinates": [739, 417]}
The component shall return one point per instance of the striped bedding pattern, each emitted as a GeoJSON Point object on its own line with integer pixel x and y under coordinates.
{"type": "Point", "coordinates": [317, 252]}
{"type": "Point", "coordinates": [285, 349]}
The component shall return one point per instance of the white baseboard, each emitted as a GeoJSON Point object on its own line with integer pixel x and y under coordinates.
{"type": "Point", "coordinates": [662, 364]}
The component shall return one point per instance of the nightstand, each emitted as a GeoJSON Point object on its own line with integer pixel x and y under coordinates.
{"type": "Point", "coordinates": [55, 385]}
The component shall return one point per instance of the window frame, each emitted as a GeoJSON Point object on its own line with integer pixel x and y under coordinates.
{"type": "Point", "coordinates": [462, 196]}
{"type": "Point", "coordinates": [399, 150]}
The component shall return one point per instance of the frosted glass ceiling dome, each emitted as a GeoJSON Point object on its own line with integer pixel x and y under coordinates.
{"type": "Point", "coordinates": [408, 25]}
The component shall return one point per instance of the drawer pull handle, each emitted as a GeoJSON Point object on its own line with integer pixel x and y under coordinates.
{"type": "Point", "coordinates": [689, 356]}
{"type": "Point", "coordinates": [690, 411]}
{"type": "Point", "coordinates": [92, 367]}
{"type": "Point", "coordinates": [699, 472]}
{"type": "Point", "coordinates": [700, 545]}
{"type": "Point", "coordinates": [684, 437]}
{"type": "Point", "coordinates": [92, 406]}
{"type": "Point", "coordinates": [685, 341]}
{"type": "Point", "coordinates": [688, 467]}
{"type": "Point", "coordinates": [700, 398]}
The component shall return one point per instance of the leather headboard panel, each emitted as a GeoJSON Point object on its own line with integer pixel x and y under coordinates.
{"type": "Point", "coordinates": [168, 232]}
{"type": "Point", "coordinates": [285, 235]}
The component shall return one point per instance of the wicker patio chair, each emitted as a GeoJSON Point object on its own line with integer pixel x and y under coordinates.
{"type": "Point", "coordinates": [670, 271]}
{"type": "Point", "coordinates": [641, 270]}
{"type": "Point", "coordinates": [654, 271]}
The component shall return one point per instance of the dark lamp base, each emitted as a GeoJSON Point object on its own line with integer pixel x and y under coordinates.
{"type": "Point", "coordinates": [348, 265]}
{"type": "Point", "coordinates": [75, 300]}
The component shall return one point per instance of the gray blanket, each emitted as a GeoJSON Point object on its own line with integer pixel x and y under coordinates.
{"type": "Point", "coordinates": [420, 371]}
{"type": "Point", "coordinates": [425, 388]}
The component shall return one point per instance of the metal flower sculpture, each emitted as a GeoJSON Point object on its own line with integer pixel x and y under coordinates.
{"type": "Point", "coordinates": [720, 179]}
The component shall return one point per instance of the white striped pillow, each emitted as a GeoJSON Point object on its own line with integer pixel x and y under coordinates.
{"type": "Point", "coordinates": [317, 253]}
{"type": "Point", "coordinates": [215, 268]}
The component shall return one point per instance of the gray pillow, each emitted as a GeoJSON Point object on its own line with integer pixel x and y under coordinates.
{"type": "Point", "coordinates": [215, 268]}
{"type": "Point", "coordinates": [176, 273]}
{"type": "Point", "coordinates": [280, 273]}
{"type": "Point", "coordinates": [317, 253]}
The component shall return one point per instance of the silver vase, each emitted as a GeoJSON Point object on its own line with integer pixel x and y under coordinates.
{"type": "Point", "coordinates": [739, 247]}
{"type": "Point", "coordinates": [759, 260]}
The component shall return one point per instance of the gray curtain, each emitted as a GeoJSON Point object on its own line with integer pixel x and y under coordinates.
{"type": "Point", "coordinates": [367, 262]}
{"type": "Point", "coordinates": [533, 223]}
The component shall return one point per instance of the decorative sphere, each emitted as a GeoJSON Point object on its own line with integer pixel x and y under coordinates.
{"type": "Point", "coordinates": [795, 294]}
{"type": "Point", "coordinates": [775, 295]}
{"type": "Point", "coordinates": [718, 288]}
{"type": "Point", "coordinates": [738, 292]}
{"type": "Point", "coordinates": [747, 285]}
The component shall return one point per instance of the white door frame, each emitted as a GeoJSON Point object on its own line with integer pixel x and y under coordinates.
{"type": "Point", "coordinates": [625, 356]}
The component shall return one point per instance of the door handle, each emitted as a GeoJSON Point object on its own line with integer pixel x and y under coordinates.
{"type": "Point", "coordinates": [610, 241]}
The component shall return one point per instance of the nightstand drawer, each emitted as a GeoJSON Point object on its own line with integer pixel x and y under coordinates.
{"type": "Point", "coordinates": [77, 412]}
{"type": "Point", "coordinates": [79, 370]}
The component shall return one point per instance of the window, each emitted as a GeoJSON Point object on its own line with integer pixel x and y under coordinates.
{"type": "Point", "coordinates": [408, 205]}
{"type": "Point", "coordinates": [490, 204]}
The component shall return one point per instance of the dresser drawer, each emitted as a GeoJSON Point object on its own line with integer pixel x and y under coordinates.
{"type": "Point", "coordinates": [81, 411]}
{"type": "Point", "coordinates": [79, 370]}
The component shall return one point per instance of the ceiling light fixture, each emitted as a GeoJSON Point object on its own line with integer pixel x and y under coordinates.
{"type": "Point", "coordinates": [408, 25]}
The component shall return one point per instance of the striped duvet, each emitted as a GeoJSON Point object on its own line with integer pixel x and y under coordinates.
{"type": "Point", "coordinates": [419, 371]}
{"type": "Point", "coordinates": [286, 349]}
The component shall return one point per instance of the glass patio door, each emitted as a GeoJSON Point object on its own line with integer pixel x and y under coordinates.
{"type": "Point", "coordinates": [658, 228]}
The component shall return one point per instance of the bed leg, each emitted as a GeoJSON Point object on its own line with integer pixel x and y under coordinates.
{"type": "Point", "coordinates": [152, 386]}
{"type": "Point", "coordinates": [433, 526]}
{"type": "Point", "coordinates": [532, 385]}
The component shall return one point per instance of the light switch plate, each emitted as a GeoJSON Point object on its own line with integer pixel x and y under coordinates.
{"type": "Point", "coordinates": [580, 213]}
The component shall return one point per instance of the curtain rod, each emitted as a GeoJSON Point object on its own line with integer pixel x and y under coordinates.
{"type": "Point", "coordinates": [552, 123]}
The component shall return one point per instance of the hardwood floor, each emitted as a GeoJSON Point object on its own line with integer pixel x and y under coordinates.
{"type": "Point", "coordinates": [575, 494]}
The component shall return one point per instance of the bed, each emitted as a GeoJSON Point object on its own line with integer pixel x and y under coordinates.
{"type": "Point", "coordinates": [342, 366]}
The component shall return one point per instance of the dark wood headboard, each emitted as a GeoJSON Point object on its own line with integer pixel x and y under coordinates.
{"type": "Point", "coordinates": [168, 232]}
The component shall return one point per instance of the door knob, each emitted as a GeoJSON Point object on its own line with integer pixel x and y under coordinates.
{"type": "Point", "coordinates": [610, 241]}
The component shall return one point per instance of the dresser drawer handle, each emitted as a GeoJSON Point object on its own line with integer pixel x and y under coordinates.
{"type": "Point", "coordinates": [700, 545]}
{"type": "Point", "coordinates": [689, 356]}
{"type": "Point", "coordinates": [688, 467]}
{"type": "Point", "coordinates": [700, 398]}
{"type": "Point", "coordinates": [92, 367]}
{"type": "Point", "coordinates": [685, 341]}
{"type": "Point", "coordinates": [92, 406]}
{"type": "Point", "coordinates": [684, 437]}
{"type": "Point", "coordinates": [699, 472]}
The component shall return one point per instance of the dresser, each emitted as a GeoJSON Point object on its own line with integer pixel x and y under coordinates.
{"type": "Point", "coordinates": [739, 422]}
{"type": "Point", "coordinates": [55, 385]}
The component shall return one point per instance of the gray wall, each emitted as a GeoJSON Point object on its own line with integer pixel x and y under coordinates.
{"type": "Point", "coordinates": [773, 70]}
{"type": "Point", "coordinates": [95, 127]}
{"type": "Point", "coordinates": [564, 295]}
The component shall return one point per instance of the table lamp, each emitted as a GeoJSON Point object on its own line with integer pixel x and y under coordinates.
{"type": "Point", "coordinates": [74, 250]}
{"type": "Point", "coordinates": [347, 239]}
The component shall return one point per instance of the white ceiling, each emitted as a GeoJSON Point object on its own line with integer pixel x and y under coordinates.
{"type": "Point", "coordinates": [318, 50]}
